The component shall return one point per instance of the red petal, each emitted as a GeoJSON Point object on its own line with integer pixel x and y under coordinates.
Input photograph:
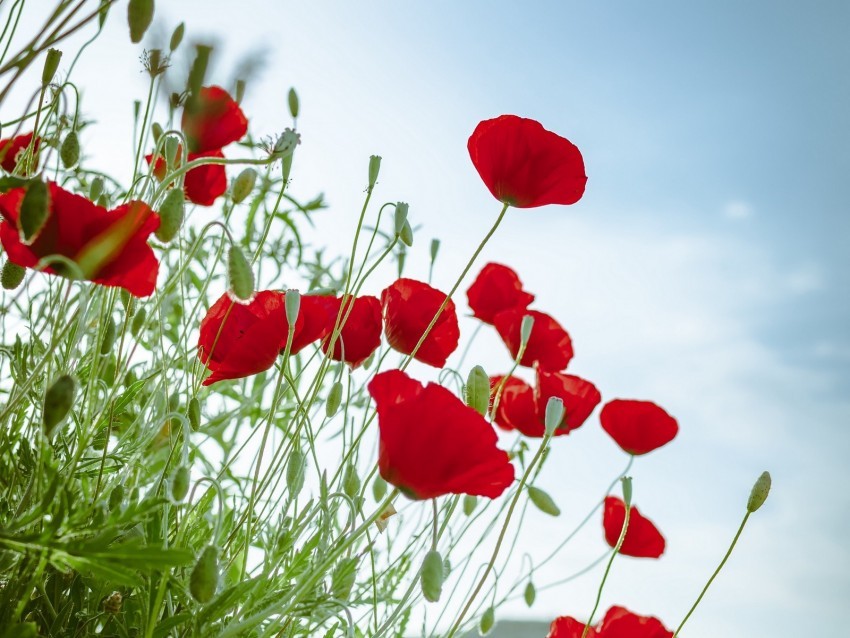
{"type": "Point", "coordinates": [216, 121]}
{"type": "Point", "coordinates": [313, 323]}
{"type": "Point", "coordinates": [643, 540]}
{"type": "Point", "coordinates": [568, 627]}
{"type": "Point", "coordinates": [619, 622]}
{"type": "Point", "coordinates": [549, 346]}
{"type": "Point", "coordinates": [205, 184]}
{"type": "Point", "coordinates": [496, 288]}
{"type": "Point", "coordinates": [517, 409]}
{"type": "Point", "coordinates": [638, 427]}
{"type": "Point", "coordinates": [580, 397]}
{"type": "Point", "coordinates": [11, 148]}
{"type": "Point", "coordinates": [361, 333]}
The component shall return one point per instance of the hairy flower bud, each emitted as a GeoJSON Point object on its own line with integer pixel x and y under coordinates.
{"type": "Point", "coordinates": [543, 501]}
{"type": "Point", "coordinates": [138, 322]}
{"type": "Point", "coordinates": [243, 185]}
{"type": "Point", "coordinates": [350, 481]}
{"type": "Point", "coordinates": [431, 576]}
{"type": "Point", "coordinates": [139, 18]}
{"type": "Point", "coordinates": [12, 275]}
{"type": "Point", "coordinates": [293, 103]}
{"type": "Point", "coordinates": [180, 483]}
{"type": "Point", "coordinates": [530, 594]}
{"type": "Point", "coordinates": [334, 399]}
{"type": "Point", "coordinates": [488, 619]}
{"type": "Point", "coordinates": [96, 188]}
{"type": "Point", "coordinates": [51, 64]}
{"type": "Point", "coordinates": [292, 306]}
{"type": "Point", "coordinates": [295, 471]}
{"type": "Point", "coordinates": [374, 169]}
{"type": "Point", "coordinates": [58, 401]}
{"type": "Point", "coordinates": [109, 334]}
{"type": "Point", "coordinates": [239, 274]}
{"type": "Point", "coordinates": [171, 215]}
{"type": "Point", "coordinates": [203, 581]}
{"type": "Point", "coordinates": [116, 497]}
{"type": "Point", "coordinates": [194, 414]}
{"type": "Point", "coordinates": [379, 488]}
{"type": "Point", "coordinates": [69, 152]}
{"type": "Point", "coordinates": [470, 502]}
{"type": "Point", "coordinates": [759, 493]}
{"type": "Point", "coordinates": [478, 390]}
{"type": "Point", "coordinates": [554, 414]}
{"type": "Point", "coordinates": [177, 36]}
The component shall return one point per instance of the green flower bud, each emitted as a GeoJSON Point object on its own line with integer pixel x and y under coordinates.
{"type": "Point", "coordinates": [478, 390]}
{"type": "Point", "coordinates": [171, 215]}
{"type": "Point", "coordinates": [139, 17]}
{"type": "Point", "coordinates": [96, 188]}
{"type": "Point", "coordinates": [177, 36]}
{"type": "Point", "coordinates": [406, 234]}
{"type": "Point", "coordinates": [529, 594]}
{"type": "Point", "coordinates": [203, 581]}
{"type": "Point", "coordinates": [116, 497]}
{"type": "Point", "coordinates": [350, 481]}
{"type": "Point", "coordinates": [109, 334]}
{"type": "Point", "coordinates": [525, 330]}
{"type": "Point", "coordinates": [374, 169]}
{"type": "Point", "coordinates": [69, 153]}
{"type": "Point", "coordinates": [488, 619]}
{"type": "Point", "coordinates": [293, 103]}
{"type": "Point", "coordinates": [51, 63]}
{"type": "Point", "coordinates": [35, 208]}
{"type": "Point", "coordinates": [400, 219]}
{"type": "Point", "coordinates": [171, 150]}
{"type": "Point", "coordinates": [292, 305]}
{"type": "Point", "coordinates": [554, 414]}
{"type": "Point", "coordinates": [180, 483]}
{"type": "Point", "coordinates": [12, 275]}
{"type": "Point", "coordinates": [431, 576]}
{"type": "Point", "coordinates": [243, 185]}
{"type": "Point", "coordinates": [194, 414]}
{"type": "Point", "coordinates": [379, 488]}
{"type": "Point", "coordinates": [138, 321]}
{"type": "Point", "coordinates": [543, 501]}
{"type": "Point", "coordinates": [627, 490]}
{"type": "Point", "coordinates": [103, 202]}
{"type": "Point", "coordinates": [198, 71]}
{"type": "Point", "coordinates": [240, 90]}
{"type": "Point", "coordinates": [58, 401]}
{"type": "Point", "coordinates": [156, 130]}
{"type": "Point", "coordinates": [470, 502]}
{"type": "Point", "coordinates": [295, 471]}
{"type": "Point", "coordinates": [435, 248]}
{"type": "Point", "coordinates": [334, 399]}
{"type": "Point", "coordinates": [759, 493]}
{"type": "Point", "coordinates": [239, 274]}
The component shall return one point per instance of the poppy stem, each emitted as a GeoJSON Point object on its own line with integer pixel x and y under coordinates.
{"type": "Point", "coordinates": [455, 287]}
{"type": "Point", "coordinates": [434, 535]}
{"type": "Point", "coordinates": [714, 575]}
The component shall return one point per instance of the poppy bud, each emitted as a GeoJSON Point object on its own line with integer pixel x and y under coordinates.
{"type": "Point", "coordinates": [759, 493]}
{"type": "Point", "coordinates": [488, 619]}
{"type": "Point", "coordinates": [198, 70]}
{"type": "Point", "coordinates": [351, 482]}
{"type": "Point", "coordinates": [529, 594]}
{"type": "Point", "coordinates": [379, 488]}
{"type": "Point", "coordinates": [204, 578]}
{"type": "Point", "coordinates": [58, 401]}
{"type": "Point", "coordinates": [543, 501]}
{"type": "Point", "coordinates": [172, 147]}
{"type": "Point", "coordinates": [374, 169]}
{"type": "Point", "coordinates": [171, 213]}
{"type": "Point", "coordinates": [156, 131]}
{"type": "Point", "coordinates": [470, 502]}
{"type": "Point", "coordinates": [627, 490]}
{"type": "Point", "coordinates": [401, 257]}
{"type": "Point", "coordinates": [243, 185]}
{"type": "Point", "coordinates": [51, 63]}
{"type": "Point", "coordinates": [431, 576]}
{"type": "Point", "coordinates": [554, 414]}
{"type": "Point", "coordinates": [194, 414]}
{"type": "Point", "coordinates": [116, 497]}
{"type": "Point", "coordinates": [69, 153]}
{"type": "Point", "coordinates": [239, 93]}
{"type": "Point", "coordinates": [293, 103]}
{"type": "Point", "coordinates": [239, 274]}
{"type": "Point", "coordinates": [180, 483]}
{"type": "Point", "coordinates": [177, 36]}
{"type": "Point", "coordinates": [139, 17]}
{"type": "Point", "coordinates": [334, 399]}
{"type": "Point", "coordinates": [435, 248]}
{"type": "Point", "coordinates": [138, 322]}
{"type": "Point", "coordinates": [406, 234]}
{"type": "Point", "coordinates": [12, 275]}
{"type": "Point", "coordinates": [400, 219]}
{"type": "Point", "coordinates": [109, 335]}
{"type": "Point", "coordinates": [525, 330]}
{"type": "Point", "coordinates": [34, 210]}
{"type": "Point", "coordinates": [292, 305]}
{"type": "Point", "coordinates": [96, 188]}
{"type": "Point", "coordinates": [103, 202]}
{"type": "Point", "coordinates": [295, 470]}
{"type": "Point", "coordinates": [478, 390]}
{"type": "Point", "coordinates": [286, 168]}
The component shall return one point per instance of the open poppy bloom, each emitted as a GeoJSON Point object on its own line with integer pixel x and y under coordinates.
{"type": "Point", "coordinates": [618, 622]}
{"type": "Point", "coordinates": [638, 427]}
{"type": "Point", "coordinates": [409, 307]}
{"type": "Point", "coordinates": [549, 346]}
{"type": "Point", "coordinates": [360, 335]}
{"type": "Point", "coordinates": [432, 444]}
{"type": "Point", "coordinates": [202, 184]}
{"type": "Point", "coordinates": [213, 121]}
{"type": "Point", "coordinates": [10, 149]}
{"type": "Point", "coordinates": [524, 165]}
{"type": "Point", "coordinates": [78, 229]}
{"type": "Point", "coordinates": [643, 540]}
{"type": "Point", "coordinates": [496, 288]}
{"type": "Point", "coordinates": [523, 408]}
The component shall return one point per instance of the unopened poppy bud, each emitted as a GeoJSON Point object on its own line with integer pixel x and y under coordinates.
{"type": "Point", "coordinates": [239, 93]}
{"type": "Point", "coordinates": [51, 64]}
{"type": "Point", "coordinates": [109, 335]}
{"type": "Point", "coordinates": [116, 497]}
{"type": "Point", "coordinates": [295, 470]}
{"type": "Point", "coordinates": [435, 248]}
{"type": "Point", "coordinates": [530, 594]}
{"type": "Point", "coordinates": [431, 576]}
{"type": "Point", "coordinates": [96, 188]}
{"type": "Point", "coordinates": [194, 414]}
{"type": "Point", "coordinates": [243, 185]}
{"type": "Point", "coordinates": [180, 483]}
{"type": "Point", "coordinates": [351, 482]}
{"type": "Point", "coordinates": [334, 399]}
{"type": "Point", "coordinates": [69, 152]}
{"type": "Point", "coordinates": [400, 219]}
{"type": "Point", "coordinates": [239, 274]}
{"type": "Point", "coordinates": [103, 201]}
{"type": "Point", "coordinates": [543, 501]}
{"type": "Point", "coordinates": [478, 390]}
{"type": "Point", "coordinates": [171, 214]}
{"type": "Point", "coordinates": [374, 169]}
{"type": "Point", "coordinates": [139, 18]}
{"type": "Point", "coordinates": [759, 493]}
{"type": "Point", "coordinates": [286, 168]}
{"type": "Point", "coordinates": [177, 36]}
{"type": "Point", "coordinates": [138, 321]}
{"type": "Point", "coordinates": [292, 305]}
{"type": "Point", "coordinates": [627, 490]}
{"type": "Point", "coordinates": [203, 581]}
{"type": "Point", "coordinates": [199, 70]}
{"type": "Point", "coordinates": [406, 234]}
{"type": "Point", "coordinates": [470, 502]}
{"type": "Point", "coordinates": [293, 103]}
{"type": "Point", "coordinates": [172, 148]}
{"type": "Point", "coordinates": [12, 275]}
{"type": "Point", "coordinates": [156, 131]}
{"type": "Point", "coordinates": [379, 488]}
{"type": "Point", "coordinates": [488, 619]}
{"type": "Point", "coordinates": [35, 208]}
{"type": "Point", "coordinates": [554, 414]}
{"type": "Point", "coordinates": [58, 401]}
{"type": "Point", "coordinates": [525, 330]}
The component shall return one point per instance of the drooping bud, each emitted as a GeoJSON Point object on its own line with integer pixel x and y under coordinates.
{"type": "Point", "coordinates": [470, 502]}
{"type": "Point", "coordinates": [406, 234]}
{"type": "Point", "coordinates": [431, 576]}
{"type": "Point", "coordinates": [12, 275]}
{"type": "Point", "coordinates": [525, 330]}
{"type": "Point", "coordinates": [96, 188]}
{"type": "Point", "coordinates": [58, 401]}
{"type": "Point", "coordinates": [374, 169]}
{"type": "Point", "coordinates": [51, 64]}
{"type": "Point", "coordinates": [292, 305]}
{"type": "Point", "coordinates": [138, 321]}
{"type": "Point", "coordinates": [139, 18]}
{"type": "Point", "coordinates": [293, 103]}
{"type": "Point", "coordinates": [69, 153]}
{"type": "Point", "coordinates": [554, 414]}
{"type": "Point", "coordinates": [239, 274]}
{"type": "Point", "coordinates": [543, 501]}
{"type": "Point", "coordinates": [35, 207]}
{"type": "Point", "coordinates": [180, 483]}
{"type": "Point", "coordinates": [334, 399]}
{"type": "Point", "coordinates": [295, 471]}
{"type": "Point", "coordinates": [379, 488]}
{"type": "Point", "coordinates": [194, 414]}
{"type": "Point", "coordinates": [350, 481]}
{"type": "Point", "coordinates": [400, 219]}
{"type": "Point", "coordinates": [171, 215]}
{"type": "Point", "coordinates": [478, 390]}
{"type": "Point", "coordinates": [530, 594]}
{"type": "Point", "coordinates": [488, 619]}
{"type": "Point", "coordinates": [243, 185]}
{"type": "Point", "coordinates": [177, 36]}
{"type": "Point", "coordinates": [203, 581]}
{"type": "Point", "coordinates": [759, 493]}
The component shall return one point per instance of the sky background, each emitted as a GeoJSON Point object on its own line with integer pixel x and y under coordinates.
{"type": "Point", "coordinates": [705, 269]}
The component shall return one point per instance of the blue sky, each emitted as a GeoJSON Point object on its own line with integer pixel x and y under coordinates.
{"type": "Point", "coordinates": [706, 268]}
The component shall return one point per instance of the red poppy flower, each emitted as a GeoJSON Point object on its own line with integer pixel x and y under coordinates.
{"type": "Point", "coordinates": [525, 165]}
{"type": "Point", "coordinates": [523, 408]}
{"type": "Point", "coordinates": [361, 333]}
{"type": "Point", "coordinates": [568, 627]}
{"type": "Point", "coordinates": [549, 346]}
{"type": "Point", "coordinates": [11, 148]}
{"type": "Point", "coordinates": [203, 184]}
{"type": "Point", "coordinates": [619, 622]}
{"type": "Point", "coordinates": [432, 444]}
{"type": "Point", "coordinates": [496, 288]}
{"type": "Point", "coordinates": [215, 121]}
{"type": "Point", "coordinates": [75, 225]}
{"type": "Point", "coordinates": [638, 427]}
{"type": "Point", "coordinates": [409, 307]}
{"type": "Point", "coordinates": [643, 540]}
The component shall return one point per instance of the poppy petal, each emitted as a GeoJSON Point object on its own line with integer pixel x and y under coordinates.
{"type": "Point", "coordinates": [215, 121]}
{"type": "Point", "coordinates": [569, 627]}
{"type": "Point", "coordinates": [619, 622]}
{"type": "Point", "coordinates": [204, 184]}
{"type": "Point", "coordinates": [496, 288]}
{"type": "Point", "coordinates": [580, 397]}
{"type": "Point", "coordinates": [549, 346]}
{"type": "Point", "coordinates": [638, 427]}
{"type": "Point", "coordinates": [643, 540]}
{"type": "Point", "coordinates": [516, 409]}
{"type": "Point", "coordinates": [360, 335]}
{"type": "Point", "coordinates": [10, 150]}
